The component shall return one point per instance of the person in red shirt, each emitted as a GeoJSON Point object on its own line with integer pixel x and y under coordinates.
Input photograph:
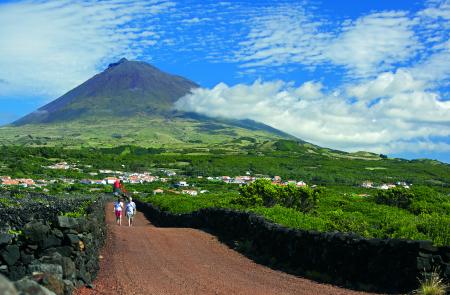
{"type": "Point", "coordinates": [116, 187]}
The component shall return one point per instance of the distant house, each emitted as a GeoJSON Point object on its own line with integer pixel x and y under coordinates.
{"type": "Point", "coordinates": [4, 178]}
{"type": "Point", "coordinates": [10, 182]}
{"type": "Point", "coordinates": [276, 179]}
{"type": "Point", "coordinates": [61, 165]}
{"type": "Point", "coordinates": [384, 186]}
{"type": "Point", "coordinates": [99, 181]}
{"type": "Point", "coordinates": [367, 184]}
{"type": "Point", "coordinates": [110, 180]}
{"type": "Point", "coordinates": [158, 191]}
{"type": "Point", "coordinates": [182, 184]}
{"type": "Point", "coordinates": [300, 183]}
{"type": "Point", "coordinates": [85, 181]}
{"type": "Point", "coordinates": [189, 192]}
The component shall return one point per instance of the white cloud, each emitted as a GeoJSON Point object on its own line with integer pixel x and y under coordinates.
{"type": "Point", "coordinates": [374, 43]}
{"type": "Point", "coordinates": [386, 84]}
{"type": "Point", "coordinates": [49, 47]}
{"type": "Point", "coordinates": [403, 116]}
{"type": "Point", "coordinates": [286, 34]}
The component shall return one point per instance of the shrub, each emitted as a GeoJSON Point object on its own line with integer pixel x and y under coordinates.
{"type": "Point", "coordinates": [398, 197]}
{"type": "Point", "coordinates": [263, 193]}
{"type": "Point", "coordinates": [432, 284]}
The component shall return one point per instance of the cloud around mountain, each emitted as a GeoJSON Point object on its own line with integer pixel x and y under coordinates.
{"type": "Point", "coordinates": [390, 114]}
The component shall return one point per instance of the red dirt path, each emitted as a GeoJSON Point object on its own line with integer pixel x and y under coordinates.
{"type": "Point", "coordinates": [148, 260]}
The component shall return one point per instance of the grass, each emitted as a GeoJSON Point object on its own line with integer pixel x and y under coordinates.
{"type": "Point", "coordinates": [432, 284]}
{"type": "Point", "coordinates": [141, 130]}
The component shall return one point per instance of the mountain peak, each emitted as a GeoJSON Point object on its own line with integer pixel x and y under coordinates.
{"type": "Point", "coordinates": [121, 61]}
{"type": "Point", "coordinates": [124, 89]}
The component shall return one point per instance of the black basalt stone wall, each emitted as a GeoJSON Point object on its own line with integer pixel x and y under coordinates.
{"type": "Point", "coordinates": [388, 265]}
{"type": "Point", "coordinates": [60, 253]}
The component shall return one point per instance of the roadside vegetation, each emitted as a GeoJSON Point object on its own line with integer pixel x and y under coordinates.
{"type": "Point", "coordinates": [426, 218]}
{"type": "Point", "coordinates": [333, 200]}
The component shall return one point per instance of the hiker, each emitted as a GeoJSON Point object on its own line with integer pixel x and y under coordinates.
{"type": "Point", "coordinates": [130, 211]}
{"type": "Point", "coordinates": [116, 187]}
{"type": "Point", "coordinates": [118, 206]}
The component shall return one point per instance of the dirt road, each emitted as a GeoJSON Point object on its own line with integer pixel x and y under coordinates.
{"type": "Point", "coordinates": [148, 260]}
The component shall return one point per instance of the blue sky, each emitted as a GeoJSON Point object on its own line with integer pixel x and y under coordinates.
{"type": "Point", "coordinates": [350, 75]}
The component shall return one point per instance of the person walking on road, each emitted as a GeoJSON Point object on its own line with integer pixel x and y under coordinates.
{"type": "Point", "coordinates": [130, 211]}
{"type": "Point", "coordinates": [118, 207]}
{"type": "Point", "coordinates": [116, 187]}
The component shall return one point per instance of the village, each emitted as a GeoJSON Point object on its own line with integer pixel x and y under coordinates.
{"type": "Point", "coordinates": [178, 184]}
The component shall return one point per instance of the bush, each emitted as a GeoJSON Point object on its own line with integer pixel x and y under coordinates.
{"type": "Point", "coordinates": [432, 284]}
{"type": "Point", "coordinates": [263, 193]}
{"type": "Point", "coordinates": [398, 197]}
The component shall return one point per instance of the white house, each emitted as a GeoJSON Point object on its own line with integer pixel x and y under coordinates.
{"type": "Point", "coordinates": [182, 184]}
{"type": "Point", "coordinates": [189, 192]}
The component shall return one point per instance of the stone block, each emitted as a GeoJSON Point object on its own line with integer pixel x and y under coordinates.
{"type": "Point", "coordinates": [11, 254]}
{"type": "Point", "coordinates": [27, 286]}
{"type": "Point", "coordinates": [7, 287]}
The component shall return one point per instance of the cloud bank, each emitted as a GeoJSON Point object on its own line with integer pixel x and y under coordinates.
{"type": "Point", "coordinates": [392, 113]}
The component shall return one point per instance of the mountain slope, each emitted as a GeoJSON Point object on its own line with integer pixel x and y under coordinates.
{"type": "Point", "coordinates": [131, 102]}
{"type": "Point", "coordinates": [125, 88]}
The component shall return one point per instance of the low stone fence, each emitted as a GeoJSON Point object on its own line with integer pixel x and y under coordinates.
{"type": "Point", "coordinates": [57, 256]}
{"type": "Point", "coordinates": [383, 265]}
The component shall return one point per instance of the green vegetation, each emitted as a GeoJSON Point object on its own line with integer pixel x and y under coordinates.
{"type": "Point", "coordinates": [422, 212]}
{"type": "Point", "coordinates": [81, 210]}
{"type": "Point", "coordinates": [263, 193]}
{"type": "Point", "coordinates": [334, 211]}
{"type": "Point", "coordinates": [432, 284]}
{"type": "Point", "coordinates": [323, 167]}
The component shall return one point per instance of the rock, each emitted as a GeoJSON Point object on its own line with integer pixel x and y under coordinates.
{"type": "Point", "coordinates": [27, 286]}
{"type": "Point", "coordinates": [68, 266]}
{"type": "Point", "coordinates": [3, 268]}
{"type": "Point", "coordinates": [11, 254]}
{"type": "Point", "coordinates": [69, 287]}
{"type": "Point", "coordinates": [67, 222]}
{"type": "Point", "coordinates": [72, 239]}
{"type": "Point", "coordinates": [63, 250]}
{"type": "Point", "coordinates": [17, 272]}
{"type": "Point", "coordinates": [51, 282]}
{"type": "Point", "coordinates": [7, 287]}
{"type": "Point", "coordinates": [26, 258]}
{"type": "Point", "coordinates": [5, 238]}
{"type": "Point", "coordinates": [69, 269]}
{"type": "Point", "coordinates": [55, 269]}
{"type": "Point", "coordinates": [36, 230]}
{"type": "Point", "coordinates": [51, 241]}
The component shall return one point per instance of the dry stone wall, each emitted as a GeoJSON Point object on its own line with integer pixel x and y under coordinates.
{"type": "Point", "coordinates": [56, 254]}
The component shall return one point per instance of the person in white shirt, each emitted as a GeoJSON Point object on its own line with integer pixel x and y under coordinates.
{"type": "Point", "coordinates": [130, 211]}
{"type": "Point", "coordinates": [118, 206]}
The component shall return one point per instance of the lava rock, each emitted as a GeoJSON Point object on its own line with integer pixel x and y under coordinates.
{"type": "Point", "coordinates": [55, 269]}
{"type": "Point", "coordinates": [27, 286]}
{"type": "Point", "coordinates": [51, 282]}
{"type": "Point", "coordinates": [67, 222]}
{"type": "Point", "coordinates": [5, 238]}
{"type": "Point", "coordinates": [11, 254]}
{"type": "Point", "coordinates": [71, 239]}
{"type": "Point", "coordinates": [36, 231]}
{"type": "Point", "coordinates": [7, 287]}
